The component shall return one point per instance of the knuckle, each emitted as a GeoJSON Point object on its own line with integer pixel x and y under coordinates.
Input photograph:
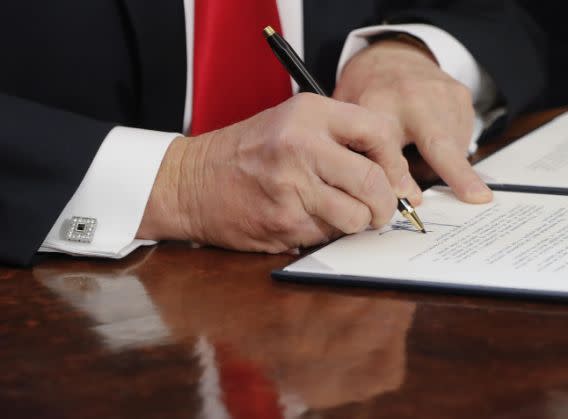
{"type": "Point", "coordinates": [387, 209]}
{"type": "Point", "coordinates": [275, 248]}
{"type": "Point", "coordinates": [463, 93]}
{"type": "Point", "coordinates": [304, 101]}
{"type": "Point", "coordinates": [437, 89]}
{"type": "Point", "coordinates": [391, 125]}
{"type": "Point", "coordinates": [292, 138]}
{"type": "Point", "coordinates": [285, 143]}
{"type": "Point", "coordinates": [352, 110]}
{"type": "Point", "coordinates": [285, 188]}
{"type": "Point", "coordinates": [408, 88]}
{"type": "Point", "coordinates": [357, 220]}
{"type": "Point", "coordinates": [370, 98]}
{"type": "Point", "coordinates": [390, 132]}
{"type": "Point", "coordinates": [278, 225]}
{"type": "Point", "coordinates": [283, 221]}
{"type": "Point", "coordinates": [372, 180]}
{"type": "Point", "coordinates": [432, 144]}
{"type": "Point", "coordinates": [276, 181]}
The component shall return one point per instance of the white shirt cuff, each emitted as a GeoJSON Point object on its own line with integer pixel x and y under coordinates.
{"type": "Point", "coordinates": [452, 56]}
{"type": "Point", "coordinates": [114, 191]}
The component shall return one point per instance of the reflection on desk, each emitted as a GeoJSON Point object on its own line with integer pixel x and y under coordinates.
{"type": "Point", "coordinates": [176, 332]}
{"type": "Point", "coordinates": [291, 355]}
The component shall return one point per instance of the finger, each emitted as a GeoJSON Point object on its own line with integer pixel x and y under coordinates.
{"type": "Point", "coordinates": [357, 176]}
{"type": "Point", "coordinates": [338, 209]}
{"type": "Point", "coordinates": [442, 133]}
{"type": "Point", "coordinates": [314, 231]}
{"type": "Point", "coordinates": [310, 232]}
{"type": "Point", "coordinates": [408, 184]}
{"type": "Point", "coordinates": [292, 252]}
{"type": "Point", "coordinates": [415, 197]}
{"type": "Point", "coordinates": [378, 137]}
{"type": "Point", "coordinates": [449, 161]}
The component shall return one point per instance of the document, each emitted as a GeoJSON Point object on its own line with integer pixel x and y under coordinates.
{"type": "Point", "coordinates": [517, 243]}
{"type": "Point", "coordinates": [539, 159]}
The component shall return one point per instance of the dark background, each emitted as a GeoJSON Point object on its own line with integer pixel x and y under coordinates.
{"type": "Point", "coordinates": [551, 15]}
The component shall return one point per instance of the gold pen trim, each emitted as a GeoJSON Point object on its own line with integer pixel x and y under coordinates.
{"type": "Point", "coordinates": [414, 220]}
{"type": "Point", "coordinates": [268, 31]}
{"type": "Point", "coordinates": [408, 212]}
{"type": "Point", "coordinates": [405, 208]}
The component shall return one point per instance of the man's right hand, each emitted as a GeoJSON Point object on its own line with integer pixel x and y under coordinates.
{"type": "Point", "coordinates": [295, 175]}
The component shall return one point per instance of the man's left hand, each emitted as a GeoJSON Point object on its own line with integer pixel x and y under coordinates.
{"type": "Point", "coordinates": [404, 82]}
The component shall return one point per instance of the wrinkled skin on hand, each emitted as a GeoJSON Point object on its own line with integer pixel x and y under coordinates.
{"type": "Point", "coordinates": [295, 175]}
{"type": "Point", "coordinates": [402, 81]}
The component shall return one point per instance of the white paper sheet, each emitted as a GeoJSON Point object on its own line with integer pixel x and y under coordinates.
{"type": "Point", "coordinates": [538, 159]}
{"type": "Point", "coordinates": [518, 241]}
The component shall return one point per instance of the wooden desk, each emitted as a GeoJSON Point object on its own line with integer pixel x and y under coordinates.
{"type": "Point", "coordinates": [176, 332]}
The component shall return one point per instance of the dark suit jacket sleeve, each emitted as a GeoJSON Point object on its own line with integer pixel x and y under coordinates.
{"type": "Point", "coordinates": [65, 66]}
{"type": "Point", "coordinates": [501, 36]}
{"type": "Point", "coordinates": [44, 154]}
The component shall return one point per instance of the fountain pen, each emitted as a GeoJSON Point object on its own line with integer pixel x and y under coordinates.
{"type": "Point", "coordinates": [297, 69]}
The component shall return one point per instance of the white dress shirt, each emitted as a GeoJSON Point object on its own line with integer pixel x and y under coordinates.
{"type": "Point", "coordinates": [118, 183]}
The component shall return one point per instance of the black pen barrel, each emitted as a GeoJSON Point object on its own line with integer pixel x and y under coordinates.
{"type": "Point", "coordinates": [297, 69]}
{"type": "Point", "coordinates": [294, 65]}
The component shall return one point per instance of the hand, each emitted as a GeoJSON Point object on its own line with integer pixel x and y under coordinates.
{"type": "Point", "coordinates": [353, 350]}
{"type": "Point", "coordinates": [290, 176]}
{"type": "Point", "coordinates": [402, 81]}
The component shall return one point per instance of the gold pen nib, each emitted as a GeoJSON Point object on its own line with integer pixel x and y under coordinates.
{"type": "Point", "coordinates": [410, 214]}
{"type": "Point", "coordinates": [268, 31]}
{"type": "Point", "coordinates": [416, 222]}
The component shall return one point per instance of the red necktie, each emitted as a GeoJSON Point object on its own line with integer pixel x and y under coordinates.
{"type": "Point", "coordinates": [247, 392]}
{"type": "Point", "coordinates": [236, 75]}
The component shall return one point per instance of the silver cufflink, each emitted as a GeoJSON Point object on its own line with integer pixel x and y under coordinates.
{"type": "Point", "coordinates": [81, 229]}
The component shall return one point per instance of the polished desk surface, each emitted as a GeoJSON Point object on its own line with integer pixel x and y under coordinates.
{"type": "Point", "coordinates": [178, 332]}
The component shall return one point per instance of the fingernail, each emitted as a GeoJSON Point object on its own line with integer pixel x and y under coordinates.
{"type": "Point", "coordinates": [479, 192]}
{"type": "Point", "coordinates": [293, 252]}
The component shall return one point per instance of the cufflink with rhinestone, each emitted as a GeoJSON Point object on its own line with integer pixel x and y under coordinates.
{"type": "Point", "coordinates": [81, 229]}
